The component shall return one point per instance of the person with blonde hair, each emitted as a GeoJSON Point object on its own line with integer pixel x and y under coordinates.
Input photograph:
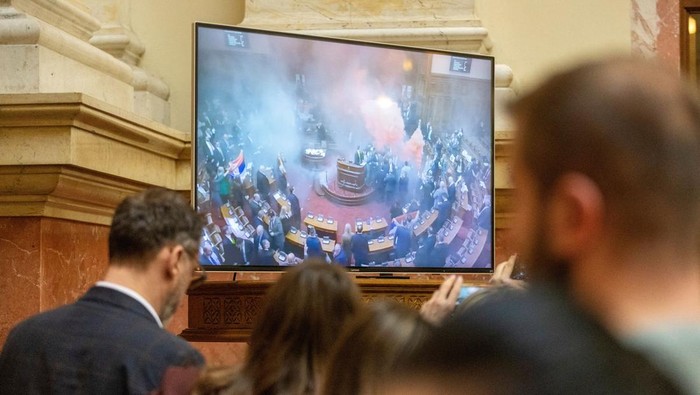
{"type": "Point", "coordinates": [346, 242]}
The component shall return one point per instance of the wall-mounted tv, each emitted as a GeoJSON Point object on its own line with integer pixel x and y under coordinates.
{"type": "Point", "coordinates": [372, 156]}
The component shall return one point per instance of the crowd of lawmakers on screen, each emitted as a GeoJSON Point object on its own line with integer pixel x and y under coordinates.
{"type": "Point", "coordinates": [450, 178]}
{"type": "Point", "coordinates": [603, 308]}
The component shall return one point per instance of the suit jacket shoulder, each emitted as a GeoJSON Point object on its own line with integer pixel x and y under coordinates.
{"type": "Point", "coordinates": [106, 342]}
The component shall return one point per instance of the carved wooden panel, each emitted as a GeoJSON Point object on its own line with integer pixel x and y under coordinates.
{"type": "Point", "coordinates": [221, 311]}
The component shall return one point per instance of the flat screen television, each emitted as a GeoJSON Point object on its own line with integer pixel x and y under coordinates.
{"type": "Point", "coordinates": [373, 156]}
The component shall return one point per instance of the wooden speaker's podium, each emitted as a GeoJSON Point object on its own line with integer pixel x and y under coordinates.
{"type": "Point", "coordinates": [351, 176]}
{"type": "Point", "coordinates": [224, 311]}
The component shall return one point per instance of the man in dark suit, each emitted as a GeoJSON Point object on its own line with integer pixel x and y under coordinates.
{"type": "Point", "coordinates": [359, 156]}
{"type": "Point", "coordinates": [439, 254]}
{"type": "Point", "coordinates": [359, 245]}
{"type": "Point", "coordinates": [451, 190]}
{"type": "Point", "coordinates": [255, 204]}
{"type": "Point", "coordinates": [266, 258]}
{"type": "Point", "coordinates": [210, 255]}
{"type": "Point", "coordinates": [259, 235]}
{"type": "Point", "coordinates": [425, 251]}
{"type": "Point", "coordinates": [232, 251]}
{"type": "Point", "coordinates": [276, 231]}
{"type": "Point", "coordinates": [112, 341]}
{"type": "Point", "coordinates": [402, 243]}
{"type": "Point", "coordinates": [295, 207]}
{"type": "Point", "coordinates": [263, 184]}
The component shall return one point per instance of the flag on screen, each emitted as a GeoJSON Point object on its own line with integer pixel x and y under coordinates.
{"type": "Point", "coordinates": [238, 164]}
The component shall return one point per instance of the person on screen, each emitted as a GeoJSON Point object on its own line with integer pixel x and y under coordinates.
{"type": "Point", "coordinates": [255, 204]}
{"type": "Point", "coordinates": [258, 237]}
{"type": "Point", "coordinates": [339, 256]}
{"type": "Point", "coordinates": [439, 255]}
{"type": "Point", "coordinates": [359, 156]}
{"type": "Point", "coordinates": [402, 241]}
{"type": "Point", "coordinates": [607, 172]}
{"type": "Point", "coordinates": [231, 247]}
{"type": "Point", "coordinates": [286, 219]}
{"type": "Point", "coordinates": [302, 315]}
{"type": "Point", "coordinates": [210, 255]}
{"type": "Point", "coordinates": [359, 245]}
{"type": "Point", "coordinates": [112, 340]}
{"type": "Point", "coordinates": [276, 231]}
{"type": "Point", "coordinates": [266, 256]}
{"type": "Point", "coordinates": [295, 208]}
{"type": "Point", "coordinates": [313, 249]}
{"type": "Point", "coordinates": [346, 242]}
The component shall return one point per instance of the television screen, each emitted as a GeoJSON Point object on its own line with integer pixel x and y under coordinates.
{"type": "Point", "coordinates": [372, 156]}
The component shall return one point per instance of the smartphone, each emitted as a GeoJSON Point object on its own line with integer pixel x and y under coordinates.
{"type": "Point", "coordinates": [519, 270]}
{"type": "Point", "coordinates": [465, 291]}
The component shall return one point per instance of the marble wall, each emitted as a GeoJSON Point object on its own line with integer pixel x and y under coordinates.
{"type": "Point", "coordinates": [45, 263]}
{"type": "Point", "coordinates": [655, 30]}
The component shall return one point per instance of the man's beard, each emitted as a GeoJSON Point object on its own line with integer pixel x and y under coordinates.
{"type": "Point", "coordinates": [172, 301]}
{"type": "Point", "coordinates": [541, 264]}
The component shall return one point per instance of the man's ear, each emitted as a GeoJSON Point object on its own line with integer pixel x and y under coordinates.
{"type": "Point", "coordinates": [171, 256]}
{"type": "Point", "coordinates": [575, 214]}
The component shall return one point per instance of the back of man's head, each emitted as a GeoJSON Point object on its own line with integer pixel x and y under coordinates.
{"type": "Point", "coordinates": [146, 222]}
{"type": "Point", "coordinates": [633, 129]}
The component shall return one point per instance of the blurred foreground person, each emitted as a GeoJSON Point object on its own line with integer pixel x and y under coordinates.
{"type": "Point", "coordinates": [371, 347]}
{"type": "Point", "coordinates": [606, 170]}
{"type": "Point", "coordinates": [302, 316]}
{"type": "Point", "coordinates": [112, 341]}
{"type": "Point", "coordinates": [528, 342]}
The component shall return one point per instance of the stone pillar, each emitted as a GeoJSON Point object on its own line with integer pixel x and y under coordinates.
{"type": "Point", "coordinates": [81, 127]}
{"type": "Point", "coordinates": [66, 161]}
{"type": "Point", "coordinates": [60, 46]}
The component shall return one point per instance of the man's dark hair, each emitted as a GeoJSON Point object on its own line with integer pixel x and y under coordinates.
{"type": "Point", "coordinates": [146, 222]}
{"type": "Point", "coordinates": [633, 129]}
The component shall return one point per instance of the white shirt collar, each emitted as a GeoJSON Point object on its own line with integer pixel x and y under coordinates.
{"type": "Point", "coordinates": [133, 294]}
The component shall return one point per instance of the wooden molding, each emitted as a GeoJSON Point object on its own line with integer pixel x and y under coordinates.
{"type": "Point", "coordinates": [225, 311]}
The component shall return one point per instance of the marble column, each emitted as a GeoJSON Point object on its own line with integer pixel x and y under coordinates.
{"type": "Point", "coordinates": [655, 30]}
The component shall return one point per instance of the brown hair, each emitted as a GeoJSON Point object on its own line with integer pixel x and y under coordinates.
{"type": "Point", "coordinates": [371, 346]}
{"type": "Point", "coordinates": [301, 318]}
{"type": "Point", "coordinates": [148, 221]}
{"type": "Point", "coordinates": [633, 129]}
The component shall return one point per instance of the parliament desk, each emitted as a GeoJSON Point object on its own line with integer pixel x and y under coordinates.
{"type": "Point", "coordinates": [424, 223]}
{"type": "Point", "coordinates": [380, 248]}
{"type": "Point", "coordinates": [240, 231]}
{"type": "Point", "coordinates": [283, 259]}
{"type": "Point", "coordinates": [296, 239]}
{"type": "Point", "coordinates": [372, 225]}
{"type": "Point", "coordinates": [385, 244]}
{"type": "Point", "coordinates": [283, 202]}
{"type": "Point", "coordinates": [324, 226]}
{"type": "Point", "coordinates": [450, 229]}
{"type": "Point", "coordinates": [351, 177]}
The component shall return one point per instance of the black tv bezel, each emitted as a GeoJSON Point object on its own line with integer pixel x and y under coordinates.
{"type": "Point", "coordinates": [383, 272]}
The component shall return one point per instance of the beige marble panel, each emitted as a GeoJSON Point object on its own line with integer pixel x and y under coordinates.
{"type": "Point", "coordinates": [322, 14]}
{"type": "Point", "coordinates": [74, 157]}
{"type": "Point", "coordinates": [67, 15]}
